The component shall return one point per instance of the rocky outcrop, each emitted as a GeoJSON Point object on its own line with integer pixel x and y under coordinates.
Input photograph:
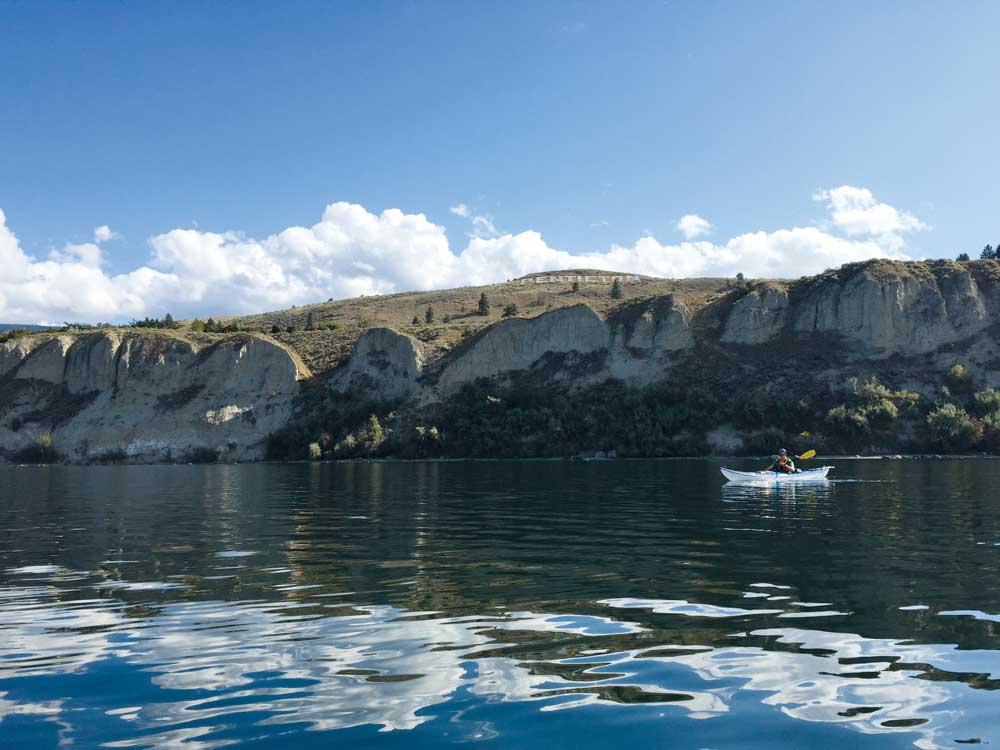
{"type": "Point", "coordinates": [92, 363]}
{"type": "Point", "coordinates": [758, 317]}
{"type": "Point", "coordinates": [518, 343]}
{"type": "Point", "coordinates": [886, 310]}
{"type": "Point", "coordinates": [384, 364]}
{"type": "Point", "coordinates": [13, 353]}
{"type": "Point", "coordinates": [151, 398]}
{"type": "Point", "coordinates": [663, 326]}
{"type": "Point", "coordinates": [47, 362]}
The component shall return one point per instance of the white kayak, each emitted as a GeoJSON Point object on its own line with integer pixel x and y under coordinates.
{"type": "Point", "coordinates": [774, 476]}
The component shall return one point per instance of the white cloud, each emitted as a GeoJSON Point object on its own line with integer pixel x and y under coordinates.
{"type": "Point", "coordinates": [352, 251]}
{"type": "Point", "coordinates": [482, 224]}
{"type": "Point", "coordinates": [855, 211]}
{"type": "Point", "coordinates": [103, 233]}
{"type": "Point", "coordinates": [692, 225]}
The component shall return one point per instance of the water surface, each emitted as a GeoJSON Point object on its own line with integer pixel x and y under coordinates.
{"type": "Point", "coordinates": [508, 604]}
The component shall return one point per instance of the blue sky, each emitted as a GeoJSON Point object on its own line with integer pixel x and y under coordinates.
{"type": "Point", "coordinates": [594, 125]}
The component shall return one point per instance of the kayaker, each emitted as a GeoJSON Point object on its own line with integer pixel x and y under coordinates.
{"type": "Point", "coordinates": [783, 463]}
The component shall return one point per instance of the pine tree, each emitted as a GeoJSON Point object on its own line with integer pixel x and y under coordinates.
{"type": "Point", "coordinates": [416, 320]}
{"type": "Point", "coordinates": [429, 315]}
{"type": "Point", "coordinates": [310, 321]}
{"type": "Point", "coordinates": [989, 253]}
{"type": "Point", "coordinates": [962, 257]}
{"type": "Point", "coordinates": [616, 290]}
{"type": "Point", "coordinates": [576, 286]}
{"type": "Point", "coordinates": [510, 310]}
{"type": "Point", "coordinates": [484, 304]}
{"type": "Point", "coordinates": [168, 320]}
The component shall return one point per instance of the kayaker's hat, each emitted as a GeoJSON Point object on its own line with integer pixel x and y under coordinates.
{"type": "Point", "coordinates": [782, 452]}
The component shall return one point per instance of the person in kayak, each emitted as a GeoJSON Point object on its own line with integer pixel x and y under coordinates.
{"type": "Point", "coordinates": [783, 464]}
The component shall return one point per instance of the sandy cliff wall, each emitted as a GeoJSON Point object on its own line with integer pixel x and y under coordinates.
{"type": "Point", "coordinates": [148, 398]}
{"type": "Point", "coordinates": [156, 396]}
{"type": "Point", "coordinates": [877, 309]}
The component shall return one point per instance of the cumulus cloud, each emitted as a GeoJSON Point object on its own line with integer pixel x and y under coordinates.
{"type": "Point", "coordinates": [353, 251]}
{"type": "Point", "coordinates": [103, 233]}
{"type": "Point", "coordinates": [692, 225]}
{"type": "Point", "coordinates": [855, 212]}
{"type": "Point", "coordinates": [482, 224]}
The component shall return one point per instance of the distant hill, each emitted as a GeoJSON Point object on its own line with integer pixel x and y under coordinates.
{"type": "Point", "coordinates": [25, 326]}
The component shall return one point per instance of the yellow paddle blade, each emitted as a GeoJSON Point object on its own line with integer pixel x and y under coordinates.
{"type": "Point", "coordinates": [807, 454]}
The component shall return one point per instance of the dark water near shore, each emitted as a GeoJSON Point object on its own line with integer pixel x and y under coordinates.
{"type": "Point", "coordinates": [504, 605]}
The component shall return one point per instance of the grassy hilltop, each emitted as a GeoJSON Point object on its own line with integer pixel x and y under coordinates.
{"type": "Point", "coordinates": [455, 311]}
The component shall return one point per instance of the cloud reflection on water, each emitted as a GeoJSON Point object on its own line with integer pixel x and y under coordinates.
{"type": "Point", "coordinates": [279, 662]}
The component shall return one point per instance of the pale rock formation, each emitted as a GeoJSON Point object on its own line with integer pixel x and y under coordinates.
{"type": "Point", "coordinates": [665, 326]}
{"type": "Point", "coordinates": [91, 363]}
{"type": "Point", "coordinates": [384, 363]}
{"type": "Point", "coordinates": [517, 343]}
{"type": "Point", "coordinates": [13, 353]}
{"type": "Point", "coordinates": [47, 362]}
{"type": "Point", "coordinates": [896, 313]}
{"type": "Point", "coordinates": [154, 398]}
{"type": "Point", "coordinates": [758, 317]}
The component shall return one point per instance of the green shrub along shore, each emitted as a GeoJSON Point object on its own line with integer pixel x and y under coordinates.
{"type": "Point", "coordinates": [525, 418]}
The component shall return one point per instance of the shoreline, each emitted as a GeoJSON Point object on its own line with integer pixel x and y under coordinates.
{"type": "Point", "coordinates": [392, 460]}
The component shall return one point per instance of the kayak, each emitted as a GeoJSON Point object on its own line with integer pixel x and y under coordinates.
{"type": "Point", "coordinates": [773, 476]}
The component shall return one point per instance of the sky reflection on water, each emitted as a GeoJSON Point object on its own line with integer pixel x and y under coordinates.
{"type": "Point", "coordinates": [273, 613]}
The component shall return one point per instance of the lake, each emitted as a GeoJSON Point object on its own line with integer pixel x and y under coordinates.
{"type": "Point", "coordinates": [510, 604]}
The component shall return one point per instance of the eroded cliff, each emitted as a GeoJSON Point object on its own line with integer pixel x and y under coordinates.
{"type": "Point", "coordinates": [143, 397]}
{"type": "Point", "coordinates": [121, 394]}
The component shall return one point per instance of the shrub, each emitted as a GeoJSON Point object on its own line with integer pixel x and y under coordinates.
{"type": "Point", "coordinates": [197, 326]}
{"type": "Point", "coordinates": [484, 304]}
{"type": "Point", "coordinates": [958, 379]}
{"type": "Point", "coordinates": [616, 289]}
{"type": "Point", "coordinates": [315, 452]}
{"type": "Point", "coordinates": [872, 406]}
{"type": "Point", "coordinates": [167, 321]}
{"type": "Point", "coordinates": [962, 257]}
{"type": "Point", "coordinates": [416, 320]}
{"type": "Point", "coordinates": [311, 321]}
{"type": "Point", "coordinates": [275, 328]}
{"type": "Point", "coordinates": [510, 310]}
{"type": "Point", "coordinates": [14, 333]}
{"type": "Point", "coordinates": [987, 402]}
{"type": "Point", "coordinates": [576, 286]}
{"type": "Point", "coordinates": [951, 428]}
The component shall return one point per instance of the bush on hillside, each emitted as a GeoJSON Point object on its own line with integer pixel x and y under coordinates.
{"type": "Point", "coordinates": [872, 406]}
{"type": "Point", "coordinates": [959, 380]}
{"type": "Point", "coordinates": [952, 429]}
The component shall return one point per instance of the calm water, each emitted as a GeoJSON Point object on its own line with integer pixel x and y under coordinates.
{"type": "Point", "coordinates": [504, 605]}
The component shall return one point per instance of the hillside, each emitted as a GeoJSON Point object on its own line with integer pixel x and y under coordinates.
{"type": "Point", "coordinates": [869, 357]}
{"type": "Point", "coordinates": [323, 350]}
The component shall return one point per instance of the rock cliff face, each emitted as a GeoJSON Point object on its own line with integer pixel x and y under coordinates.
{"type": "Point", "coordinates": [758, 317]}
{"type": "Point", "coordinates": [518, 343]}
{"type": "Point", "coordinates": [153, 397]}
{"type": "Point", "coordinates": [892, 310]}
{"type": "Point", "coordinates": [147, 398]}
{"type": "Point", "coordinates": [877, 309]}
{"type": "Point", "coordinates": [384, 364]}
